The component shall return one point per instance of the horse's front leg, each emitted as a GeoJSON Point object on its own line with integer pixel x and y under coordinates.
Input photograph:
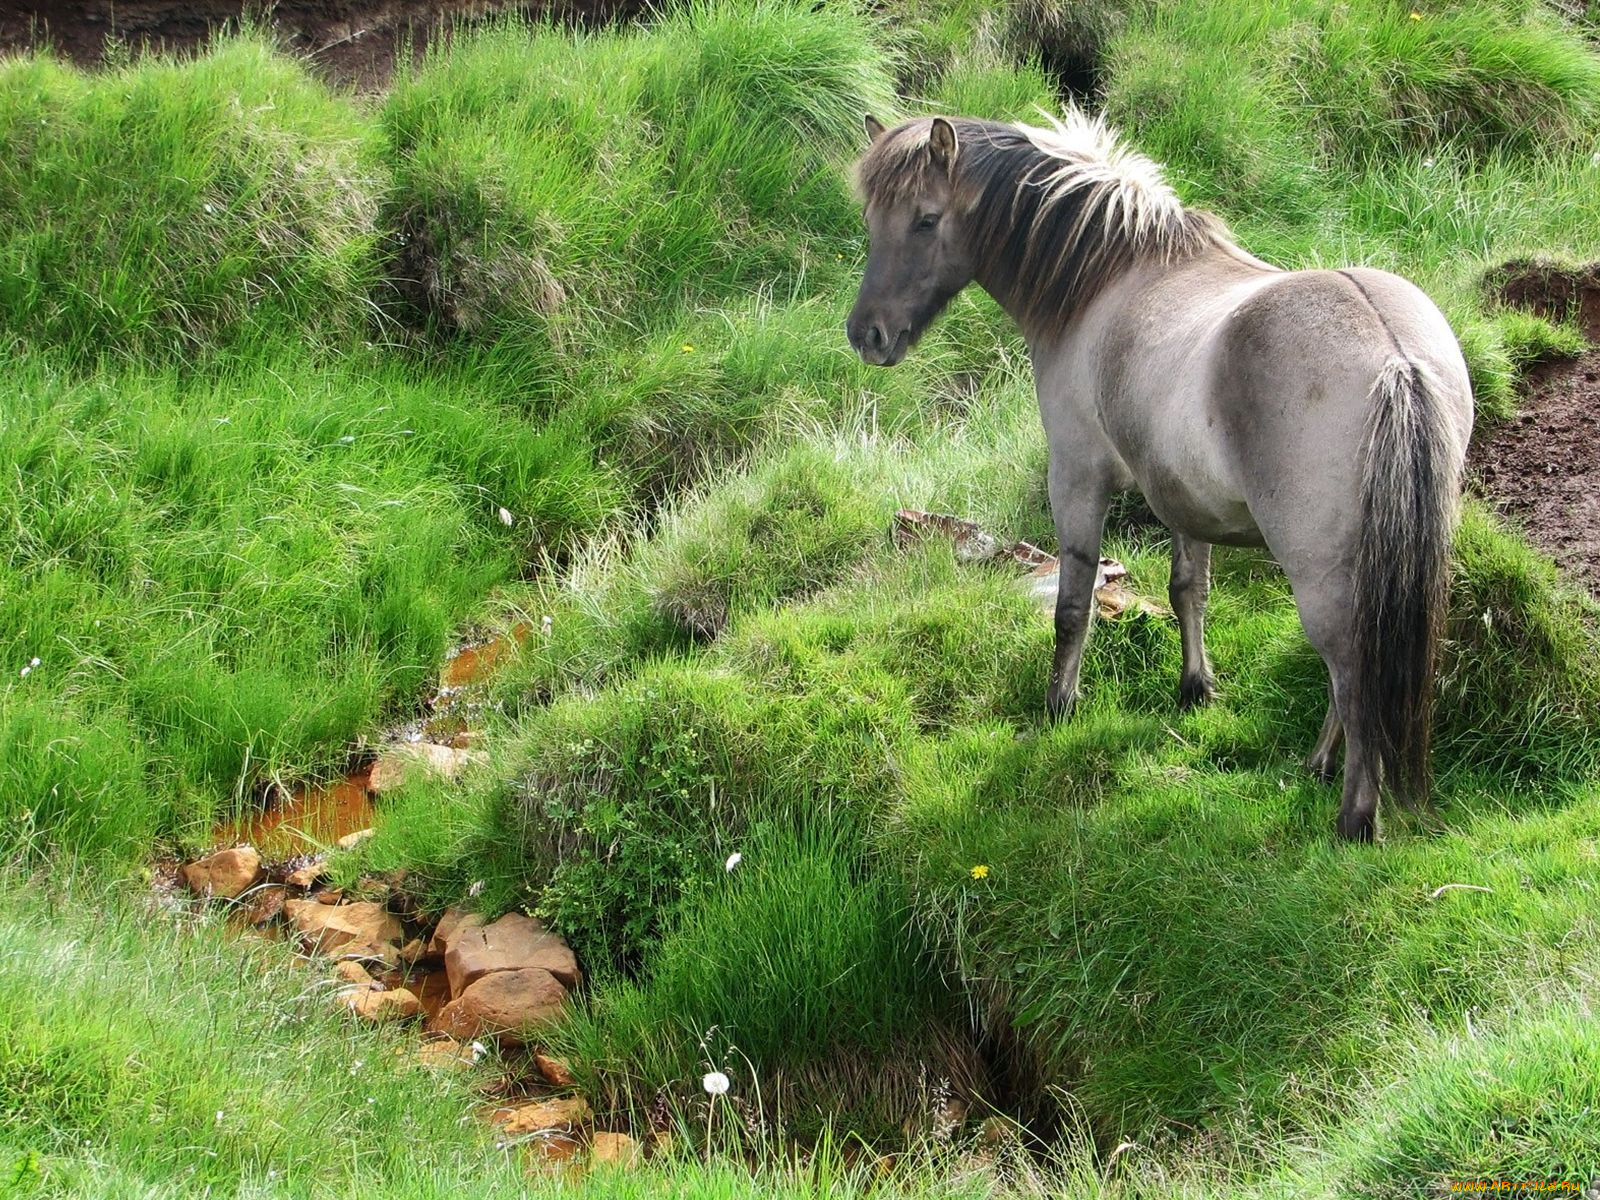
{"type": "Point", "coordinates": [1079, 502]}
{"type": "Point", "coordinates": [1188, 588]}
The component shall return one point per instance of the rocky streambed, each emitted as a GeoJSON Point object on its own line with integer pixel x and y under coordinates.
{"type": "Point", "coordinates": [476, 991]}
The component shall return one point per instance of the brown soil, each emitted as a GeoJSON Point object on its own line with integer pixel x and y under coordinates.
{"type": "Point", "coordinates": [1551, 290]}
{"type": "Point", "coordinates": [1542, 468]}
{"type": "Point", "coordinates": [353, 42]}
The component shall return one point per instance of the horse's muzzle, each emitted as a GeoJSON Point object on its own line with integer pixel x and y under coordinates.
{"type": "Point", "coordinates": [873, 343]}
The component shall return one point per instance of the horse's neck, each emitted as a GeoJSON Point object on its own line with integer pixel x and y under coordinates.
{"type": "Point", "coordinates": [1044, 329]}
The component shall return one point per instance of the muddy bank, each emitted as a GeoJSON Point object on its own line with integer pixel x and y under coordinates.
{"type": "Point", "coordinates": [350, 42]}
{"type": "Point", "coordinates": [1541, 469]}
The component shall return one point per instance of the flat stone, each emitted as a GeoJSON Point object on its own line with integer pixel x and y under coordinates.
{"type": "Point", "coordinates": [413, 951]}
{"type": "Point", "coordinates": [225, 874]}
{"type": "Point", "coordinates": [555, 1071]}
{"type": "Point", "coordinates": [381, 1007]}
{"type": "Point", "coordinates": [565, 1114]}
{"type": "Point", "coordinates": [504, 1003]}
{"type": "Point", "coordinates": [511, 943]}
{"type": "Point", "coordinates": [616, 1150]}
{"type": "Point", "coordinates": [398, 761]}
{"type": "Point", "coordinates": [363, 928]}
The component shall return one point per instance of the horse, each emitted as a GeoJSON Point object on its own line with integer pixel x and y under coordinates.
{"type": "Point", "coordinates": [1323, 414]}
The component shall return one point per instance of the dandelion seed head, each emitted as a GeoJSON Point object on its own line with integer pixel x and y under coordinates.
{"type": "Point", "coordinates": [715, 1083]}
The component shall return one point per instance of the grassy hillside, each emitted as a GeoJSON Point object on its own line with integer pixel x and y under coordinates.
{"type": "Point", "coordinates": [300, 387]}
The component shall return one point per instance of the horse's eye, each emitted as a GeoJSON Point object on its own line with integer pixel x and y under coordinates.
{"type": "Point", "coordinates": [927, 221]}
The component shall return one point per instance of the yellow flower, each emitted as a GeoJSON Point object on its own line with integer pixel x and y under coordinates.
{"type": "Point", "coordinates": [1415, 15]}
{"type": "Point", "coordinates": [981, 871]}
{"type": "Point", "coordinates": [687, 348]}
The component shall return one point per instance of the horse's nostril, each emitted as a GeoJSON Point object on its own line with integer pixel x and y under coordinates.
{"type": "Point", "coordinates": [877, 337]}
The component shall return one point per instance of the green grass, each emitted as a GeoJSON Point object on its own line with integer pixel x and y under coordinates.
{"type": "Point", "coordinates": [232, 578]}
{"type": "Point", "coordinates": [163, 209]}
{"type": "Point", "coordinates": [147, 1053]}
{"type": "Point", "coordinates": [280, 358]}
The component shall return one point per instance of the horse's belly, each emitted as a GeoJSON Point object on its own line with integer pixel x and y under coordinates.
{"type": "Point", "coordinates": [1211, 514]}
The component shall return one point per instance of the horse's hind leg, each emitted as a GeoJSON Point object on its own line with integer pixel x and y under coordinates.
{"type": "Point", "coordinates": [1358, 806]}
{"type": "Point", "coordinates": [1188, 589]}
{"type": "Point", "coordinates": [1326, 616]}
{"type": "Point", "coordinates": [1324, 760]}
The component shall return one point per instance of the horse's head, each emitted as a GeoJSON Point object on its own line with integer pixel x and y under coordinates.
{"type": "Point", "coordinates": [917, 258]}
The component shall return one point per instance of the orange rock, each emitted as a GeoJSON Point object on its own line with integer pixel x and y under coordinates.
{"type": "Point", "coordinates": [381, 1007]}
{"type": "Point", "coordinates": [555, 1071]}
{"type": "Point", "coordinates": [351, 840]}
{"type": "Point", "coordinates": [308, 875]}
{"type": "Point", "coordinates": [453, 919]}
{"type": "Point", "coordinates": [225, 874]}
{"type": "Point", "coordinates": [361, 928]}
{"type": "Point", "coordinates": [348, 970]}
{"type": "Point", "coordinates": [553, 1153]}
{"type": "Point", "coordinates": [504, 1003]}
{"type": "Point", "coordinates": [446, 1054]}
{"type": "Point", "coordinates": [615, 1150]}
{"type": "Point", "coordinates": [264, 905]}
{"type": "Point", "coordinates": [565, 1114]}
{"type": "Point", "coordinates": [513, 942]}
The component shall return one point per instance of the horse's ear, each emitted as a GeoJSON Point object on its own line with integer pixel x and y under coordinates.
{"type": "Point", "coordinates": [942, 143]}
{"type": "Point", "coordinates": [874, 127]}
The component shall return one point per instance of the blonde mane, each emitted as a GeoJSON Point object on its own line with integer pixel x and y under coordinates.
{"type": "Point", "coordinates": [1061, 210]}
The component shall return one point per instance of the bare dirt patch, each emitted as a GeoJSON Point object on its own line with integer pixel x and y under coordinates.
{"type": "Point", "coordinates": [354, 42]}
{"type": "Point", "coordinates": [1552, 290]}
{"type": "Point", "coordinates": [1541, 469]}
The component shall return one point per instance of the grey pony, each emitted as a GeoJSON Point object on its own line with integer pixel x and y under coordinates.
{"type": "Point", "coordinates": [1324, 414]}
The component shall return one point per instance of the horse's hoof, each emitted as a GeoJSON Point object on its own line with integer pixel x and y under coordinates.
{"type": "Point", "coordinates": [1357, 827]}
{"type": "Point", "coordinates": [1059, 705]}
{"type": "Point", "coordinates": [1195, 690]}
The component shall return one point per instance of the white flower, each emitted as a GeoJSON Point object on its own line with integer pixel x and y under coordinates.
{"type": "Point", "coordinates": [33, 662]}
{"type": "Point", "coordinates": [348, 440]}
{"type": "Point", "coordinates": [477, 886]}
{"type": "Point", "coordinates": [478, 1050]}
{"type": "Point", "coordinates": [715, 1083]}
{"type": "Point", "coordinates": [734, 860]}
{"type": "Point", "coordinates": [26, 671]}
{"type": "Point", "coordinates": [506, 518]}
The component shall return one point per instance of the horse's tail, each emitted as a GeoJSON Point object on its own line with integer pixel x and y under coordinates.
{"type": "Point", "coordinates": [1409, 495]}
